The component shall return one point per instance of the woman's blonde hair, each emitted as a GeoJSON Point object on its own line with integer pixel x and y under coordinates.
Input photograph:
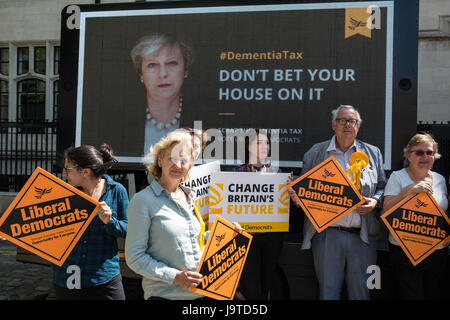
{"type": "Point", "coordinates": [417, 139]}
{"type": "Point", "coordinates": [152, 43]}
{"type": "Point", "coordinates": [158, 150]}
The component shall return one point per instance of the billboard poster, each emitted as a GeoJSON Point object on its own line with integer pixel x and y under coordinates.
{"type": "Point", "coordinates": [280, 67]}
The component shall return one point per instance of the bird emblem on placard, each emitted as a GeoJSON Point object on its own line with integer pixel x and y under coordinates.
{"type": "Point", "coordinates": [356, 24]}
{"type": "Point", "coordinates": [41, 191]}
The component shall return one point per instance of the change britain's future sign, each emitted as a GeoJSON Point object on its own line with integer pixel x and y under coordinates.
{"type": "Point", "coordinates": [282, 67]}
{"type": "Point", "coordinates": [258, 201]}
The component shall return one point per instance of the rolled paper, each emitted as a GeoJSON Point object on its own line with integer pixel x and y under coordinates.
{"type": "Point", "coordinates": [358, 160]}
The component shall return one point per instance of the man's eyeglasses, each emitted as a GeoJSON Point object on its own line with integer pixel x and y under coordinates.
{"type": "Point", "coordinates": [343, 122]}
{"type": "Point", "coordinates": [421, 153]}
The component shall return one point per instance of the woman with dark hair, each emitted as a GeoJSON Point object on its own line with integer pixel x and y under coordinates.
{"type": "Point", "coordinates": [95, 258]}
{"type": "Point", "coordinates": [261, 267]}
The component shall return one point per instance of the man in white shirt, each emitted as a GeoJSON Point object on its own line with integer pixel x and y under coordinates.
{"type": "Point", "coordinates": [344, 250]}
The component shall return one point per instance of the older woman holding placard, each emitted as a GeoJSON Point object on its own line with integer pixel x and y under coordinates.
{"type": "Point", "coordinates": [424, 280]}
{"type": "Point", "coordinates": [166, 232]}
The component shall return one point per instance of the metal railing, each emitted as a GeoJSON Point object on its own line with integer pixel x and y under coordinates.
{"type": "Point", "coordinates": [23, 147]}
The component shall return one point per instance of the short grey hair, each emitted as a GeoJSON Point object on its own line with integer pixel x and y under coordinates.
{"type": "Point", "coordinates": [416, 140]}
{"type": "Point", "coordinates": [154, 42]}
{"type": "Point", "coordinates": [335, 112]}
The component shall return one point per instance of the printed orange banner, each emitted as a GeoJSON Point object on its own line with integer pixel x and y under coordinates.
{"type": "Point", "coordinates": [326, 194]}
{"type": "Point", "coordinates": [47, 217]}
{"type": "Point", "coordinates": [418, 224]}
{"type": "Point", "coordinates": [223, 260]}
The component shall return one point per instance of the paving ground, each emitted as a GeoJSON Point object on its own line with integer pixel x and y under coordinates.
{"type": "Point", "coordinates": [29, 281]}
{"type": "Point", "coordinates": [23, 281]}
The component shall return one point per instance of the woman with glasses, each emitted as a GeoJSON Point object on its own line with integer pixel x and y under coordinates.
{"type": "Point", "coordinates": [166, 233]}
{"type": "Point", "coordinates": [92, 271]}
{"type": "Point", "coordinates": [424, 280]}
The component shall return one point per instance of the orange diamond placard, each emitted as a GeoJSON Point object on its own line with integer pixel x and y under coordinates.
{"type": "Point", "coordinates": [223, 260]}
{"type": "Point", "coordinates": [47, 217]}
{"type": "Point", "coordinates": [326, 194]}
{"type": "Point", "coordinates": [418, 224]}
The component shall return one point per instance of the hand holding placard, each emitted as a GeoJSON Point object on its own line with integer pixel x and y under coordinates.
{"type": "Point", "coordinates": [419, 225]}
{"type": "Point", "coordinates": [326, 194]}
{"type": "Point", "coordinates": [367, 207]}
{"type": "Point", "coordinates": [222, 261]}
{"type": "Point", "coordinates": [187, 279]}
{"type": "Point", "coordinates": [48, 224]}
{"type": "Point", "coordinates": [104, 212]}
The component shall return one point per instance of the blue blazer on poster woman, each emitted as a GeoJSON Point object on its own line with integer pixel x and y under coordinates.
{"type": "Point", "coordinates": [373, 181]}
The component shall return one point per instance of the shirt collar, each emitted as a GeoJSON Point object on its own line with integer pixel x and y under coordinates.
{"type": "Point", "coordinates": [158, 189]}
{"type": "Point", "coordinates": [332, 145]}
{"type": "Point", "coordinates": [109, 181]}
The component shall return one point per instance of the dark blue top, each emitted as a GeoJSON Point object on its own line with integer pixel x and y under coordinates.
{"type": "Point", "coordinates": [96, 253]}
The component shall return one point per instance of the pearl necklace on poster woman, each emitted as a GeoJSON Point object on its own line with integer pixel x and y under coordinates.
{"type": "Point", "coordinates": [162, 125]}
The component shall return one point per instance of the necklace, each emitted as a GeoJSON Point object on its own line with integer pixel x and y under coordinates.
{"type": "Point", "coordinates": [415, 178]}
{"type": "Point", "coordinates": [97, 192]}
{"type": "Point", "coordinates": [162, 125]}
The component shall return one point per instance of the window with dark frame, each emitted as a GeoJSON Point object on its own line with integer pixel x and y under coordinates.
{"type": "Point", "coordinates": [56, 60]}
{"type": "Point", "coordinates": [3, 101]}
{"type": "Point", "coordinates": [55, 99]}
{"type": "Point", "coordinates": [22, 60]}
{"type": "Point", "coordinates": [26, 85]}
{"type": "Point", "coordinates": [40, 60]}
{"type": "Point", "coordinates": [30, 100]}
{"type": "Point", "coordinates": [4, 61]}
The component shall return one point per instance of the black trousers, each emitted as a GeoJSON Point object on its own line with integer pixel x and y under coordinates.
{"type": "Point", "coordinates": [112, 290]}
{"type": "Point", "coordinates": [422, 282]}
{"type": "Point", "coordinates": [261, 265]}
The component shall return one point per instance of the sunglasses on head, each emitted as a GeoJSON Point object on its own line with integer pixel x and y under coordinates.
{"type": "Point", "coordinates": [421, 153]}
